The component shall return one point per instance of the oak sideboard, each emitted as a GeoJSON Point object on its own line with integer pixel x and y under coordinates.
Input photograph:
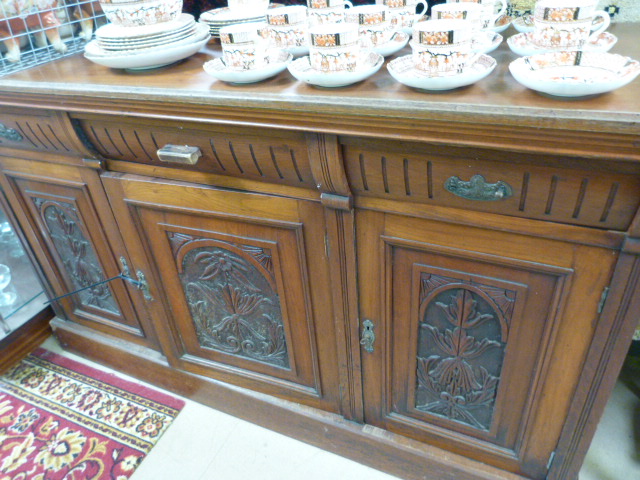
{"type": "Point", "coordinates": [441, 286]}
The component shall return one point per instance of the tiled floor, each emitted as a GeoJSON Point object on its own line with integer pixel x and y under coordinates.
{"type": "Point", "coordinates": [204, 444]}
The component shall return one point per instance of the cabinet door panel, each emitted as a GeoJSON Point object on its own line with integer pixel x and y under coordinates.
{"type": "Point", "coordinates": [465, 336]}
{"type": "Point", "coordinates": [58, 204]}
{"type": "Point", "coordinates": [245, 289]}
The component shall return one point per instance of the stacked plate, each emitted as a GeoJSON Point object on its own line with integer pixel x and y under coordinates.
{"type": "Point", "coordinates": [219, 17]}
{"type": "Point", "coordinates": [147, 46]}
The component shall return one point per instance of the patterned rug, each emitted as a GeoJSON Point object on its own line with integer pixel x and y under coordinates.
{"type": "Point", "coordinates": [61, 420]}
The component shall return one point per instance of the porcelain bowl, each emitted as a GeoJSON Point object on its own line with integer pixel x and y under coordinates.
{"type": "Point", "coordinates": [135, 13]}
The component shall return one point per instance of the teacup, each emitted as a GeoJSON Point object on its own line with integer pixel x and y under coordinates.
{"type": "Point", "coordinates": [288, 26]}
{"type": "Point", "coordinates": [326, 11]}
{"type": "Point", "coordinates": [334, 47]}
{"type": "Point", "coordinates": [136, 13]}
{"type": "Point", "coordinates": [244, 45]}
{"type": "Point", "coordinates": [566, 10]}
{"type": "Point", "coordinates": [442, 47]}
{"type": "Point", "coordinates": [404, 13]}
{"type": "Point", "coordinates": [567, 23]}
{"type": "Point", "coordinates": [460, 10]}
{"type": "Point", "coordinates": [373, 23]}
{"type": "Point", "coordinates": [248, 8]}
{"type": "Point", "coordinates": [490, 6]}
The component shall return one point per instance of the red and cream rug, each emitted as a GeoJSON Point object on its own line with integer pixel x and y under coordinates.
{"type": "Point", "coordinates": [62, 420]}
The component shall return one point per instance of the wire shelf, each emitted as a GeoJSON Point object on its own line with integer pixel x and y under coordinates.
{"type": "Point", "coordinates": [33, 32]}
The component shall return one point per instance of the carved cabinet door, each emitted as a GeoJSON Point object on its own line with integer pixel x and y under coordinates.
{"type": "Point", "coordinates": [73, 233]}
{"type": "Point", "coordinates": [239, 284]}
{"type": "Point", "coordinates": [479, 335]}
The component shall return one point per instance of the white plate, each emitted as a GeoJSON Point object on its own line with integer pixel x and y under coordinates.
{"type": "Point", "coordinates": [116, 32]}
{"type": "Point", "coordinates": [184, 37]}
{"type": "Point", "coordinates": [398, 41]}
{"type": "Point", "coordinates": [574, 73]}
{"type": "Point", "coordinates": [278, 61]}
{"type": "Point", "coordinates": [301, 69]}
{"type": "Point", "coordinates": [403, 70]}
{"type": "Point", "coordinates": [522, 44]}
{"type": "Point", "coordinates": [486, 42]}
{"type": "Point", "coordinates": [149, 58]}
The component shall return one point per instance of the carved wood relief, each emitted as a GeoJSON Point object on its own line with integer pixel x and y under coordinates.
{"type": "Point", "coordinates": [463, 334]}
{"type": "Point", "coordinates": [76, 253]}
{"type": "Point", "coordinates": [232, 297]}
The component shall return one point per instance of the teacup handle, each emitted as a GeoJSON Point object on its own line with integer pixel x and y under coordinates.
{"type": "Point", "coordinates": [348, 4]}
{"type": "Point", "coordinates": [605, 24]}
{"type": "Point", "coordinates": [503, 9]}
{"type": "Point", "coordinates": [418, 15]}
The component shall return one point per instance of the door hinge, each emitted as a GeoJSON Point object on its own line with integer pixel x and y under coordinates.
{"type": "Point", "coordinates": [551, 457]}
{"type": "Point", "coordinates": [603, 299]}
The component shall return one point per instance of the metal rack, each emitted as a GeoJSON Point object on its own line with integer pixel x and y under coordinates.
{"type": "Point", "coordinates": [33, 32]}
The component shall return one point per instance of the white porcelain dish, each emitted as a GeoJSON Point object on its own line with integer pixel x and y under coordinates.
{"type": "Point", "coordinates": [301, 69]}
{"type": "Point", "coordinates": [111, 31]}
{"type": "Point", "coordinates": [501, 24]}
{"type": "Point", "coordinates": [404, 71]}
{"type": "Point", "coordinates": [397, 42]}
{"type": "Point", "coordinates": [486, 42]}
{"type": "Point", "coordinates": [574, 73]}
{"type": "Point", "coordinates": [522, 44]}
{"type": "Point", "coordinates": [147, 58]}
{"type": "Point", "coordinates": [523, 24]}
{"type": "Point", "coordinates": [183, 38]}
{"type": "Point", "coordinates": [278, 60]}
{"type": "Point", "coordinates": [298, 51]}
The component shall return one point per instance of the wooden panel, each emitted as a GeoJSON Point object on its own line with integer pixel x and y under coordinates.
{"type": "Point", "coordinates": [40, 130]}
{"type": "Point", "coordinates": [73, 245]}
{"type": "Point", "coordinates": [581, 197]}
{"type": "Point", "coordinates": [246, 290]}
{"type": "Point", "coordinates": [278, 157]}
{"type": "Point", "coordinates": [471, 329]}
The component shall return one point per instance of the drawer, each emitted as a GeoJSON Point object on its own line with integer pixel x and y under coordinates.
{"type": "Point", "coordinates": [253, 153]}
{"type": "Point", "coordinates": [513, 185]}
{"type": "Point", "coordinates": [39, 130]}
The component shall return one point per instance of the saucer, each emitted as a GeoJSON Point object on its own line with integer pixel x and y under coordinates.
{"type": "Point", "coordinates": [298, 51]}
{"type": "Point", "coordinates": [574, 73]}
{"type": "Point", "coordinates": [486, 42]}
{"type": "Point", "coordinates": [301, 69]}
{"type": "Point", "coordinates": [501, 24]}
{"type": "Point", "coordinates": [397, 42]}
{"type": "Point", "coordinates": [409, 29]}
{"type": "Point", "coordinates": [522, 44]}
{"type": "Point", "coordinates": [111, 31]}
{"type": "Point", "coordinates": [145, 58]}
{"type": "Point", "coordinates": [403, 70]}
{"type": "Point", "coordinates": [277, 62]}
{"type": "Point", "coordinates": [524, 23]}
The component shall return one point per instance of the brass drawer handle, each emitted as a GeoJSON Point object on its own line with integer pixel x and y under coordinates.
{"type": "Point", "coordinates": [368, 336]}
{"type": "Point", "coordinates": [477, 188]}
{"type": "Point", "coordinates": [183, 154]}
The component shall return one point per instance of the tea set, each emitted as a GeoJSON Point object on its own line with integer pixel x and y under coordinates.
{"type": "Point", "coordinates": [331, 43]}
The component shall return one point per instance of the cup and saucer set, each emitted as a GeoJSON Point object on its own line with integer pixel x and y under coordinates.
{"type": "Point", "coordinates": [142, 38]}
{"type": "Point", "coordinates": [565, 48]}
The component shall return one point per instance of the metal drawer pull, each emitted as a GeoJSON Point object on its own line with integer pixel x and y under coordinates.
{"type": "Point", "coordinates": [477, 188]}
{"type": "Point", "coordinates": [183, 154]}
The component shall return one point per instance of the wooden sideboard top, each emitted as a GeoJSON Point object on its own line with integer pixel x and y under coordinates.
{"type": "Point", "coordinates": [496, 112]}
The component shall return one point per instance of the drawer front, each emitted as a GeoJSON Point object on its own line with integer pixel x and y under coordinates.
{"type": "Point", "coordinates": [278, 157]}
{"type": "Point", "coordinates": [566, 195]}
{"type": "Point", "coordinates": [37, 130]}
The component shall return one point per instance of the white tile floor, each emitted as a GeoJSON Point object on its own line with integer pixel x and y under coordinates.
{"type": "Point", "coordinates": [204, 444]}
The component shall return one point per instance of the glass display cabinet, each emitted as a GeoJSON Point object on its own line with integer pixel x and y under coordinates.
{"type": "Point", "coordinates": [24, 313]}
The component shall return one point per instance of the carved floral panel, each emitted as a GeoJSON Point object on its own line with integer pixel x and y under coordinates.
{"type": "Point", "coordinates": [231, 294]}
{"type": "Point", "coordinates": [77, 254]}
{"type": "Point", "coordinates": [462, 337]}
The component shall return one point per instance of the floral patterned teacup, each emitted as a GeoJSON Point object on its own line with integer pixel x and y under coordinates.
{"type": "Point", "coordinates": [493, 10]}
{"type": "Point", "coordinates": [442, 47]}
{"type": "Point", "coordinates": [288, 26]}
{"type": "Point", "coordinates": [334, 47]}
{"type": "Point", "coordinates": [460, 10]}
{"type": "Point", "coordinates": [244, 45]}
{"type": "Point", "coordinates": [327, 11]}
{"type": "Point", "coordinates": [404, 13]}
{"type": "Point", "coordinates": [137, 13]}
{"type": "Point", "coordinates": [373, 23]}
